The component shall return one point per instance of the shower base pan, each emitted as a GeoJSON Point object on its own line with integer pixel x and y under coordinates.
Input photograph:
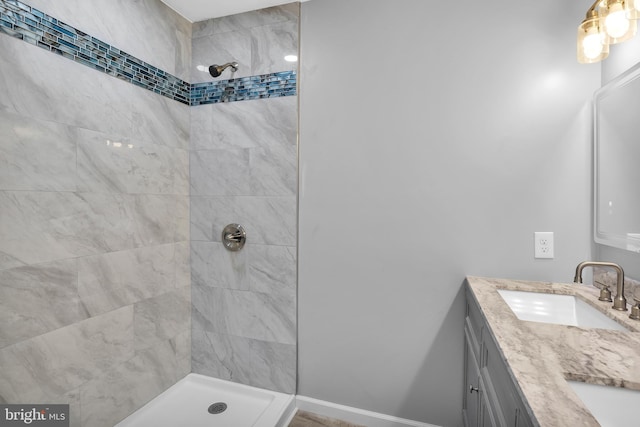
{"type": "Point", "coordinates": [199, 401]}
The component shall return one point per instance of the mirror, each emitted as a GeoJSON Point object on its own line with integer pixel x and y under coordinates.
{"type": "Point", "coordinates": [617, 162]}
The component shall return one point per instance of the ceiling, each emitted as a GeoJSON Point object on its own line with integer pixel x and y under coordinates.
{"type": "Point", "coordinates": [200, 10]}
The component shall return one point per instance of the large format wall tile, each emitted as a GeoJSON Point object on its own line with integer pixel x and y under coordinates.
{"type": "Point", "coordinates": [94, 236]}
{"type": "Point", "coordinates": [258, 363]}
{"type": "Point", "coordinates": [110, 163]}
{"type": "Point", "coordinates": [274, 169]}
{"type": "Point", "coordinates": [45, 226]}
{"type": "Point", "coordinates": [183, 267]}
{"type": "Point", "coordinates": [222, 172]}
{"type": "Point", "coordinates": [266, 317]}
{"type": "Point", "coordinates": [159, 120]}
{"type": "Point", "coordinates": [161, 318]}
{"type": "Point", "coordinates": [267, 220]}
{"type": "Point", "coordinates": [160, 218]}
{"type": "Point", "coordinates": [95, 208]}
{"type": "Point", "coordinates": [62, 360]}
{"type": "Point", "coordinates": [257, 40]}
{"type": "Point", "coordinates": [272, 270]}
{"type": "Point", "coordinates": [244, 124]}
{"type": "Point", "coordinates": [36, 155]}
{"type": "Point", "coordinates": [255, 18]}
{"type": "Point", "coordinates": [104, 400]}
{"type": "Point", "coordinates": [234, 159]}
{"type": "Point", "coordinates": [270, 44]}
{"type": "Point", "coordinates": [147, 29]}
{"type": "Point", "coordinates": [244, 170]}
{"type": "Point", "coordinates": [113, 280]}
{"type": "Point", "coordinates": [37, 299]}
{"type": "Point", "coordinates": [97, 101]}
{"type": "Point", "coordinates": [268, 269]}
{"type": "Point", "coordinates": [181, 344]}
{"type": "Point", "coordinates": [219, 49]}
{"type": "Point", "coordinates": [18, 385]}
{"type": "Point", "coordinates": [214, 266]}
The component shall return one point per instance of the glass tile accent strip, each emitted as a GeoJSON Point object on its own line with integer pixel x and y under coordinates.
{"type": "Point", "coordinates": [24, 22]}
{"type": "Point", "coordinates": [253, 87]}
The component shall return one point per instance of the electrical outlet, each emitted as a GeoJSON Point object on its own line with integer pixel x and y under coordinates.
{"type": "Point", "coordinates": [543, 244]}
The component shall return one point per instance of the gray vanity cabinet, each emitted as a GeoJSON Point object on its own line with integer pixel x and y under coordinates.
{"type": "Point", "coordinates": [471, 405]}
{"type": "Point", "coordinates": [476, 403]}
{"type": "Point", "coordinates": [490, 395]}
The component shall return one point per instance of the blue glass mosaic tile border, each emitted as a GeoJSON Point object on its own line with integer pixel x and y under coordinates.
{"type": "Point", "coordinates": [37, 28]}
{"type": "Point", "coordinates": [253, 87]}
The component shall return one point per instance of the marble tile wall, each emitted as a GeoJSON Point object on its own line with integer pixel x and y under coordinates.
{"type": "Point", "coordinates": [244, 170]}
{"type": "Point", "coordinates": [145, 29]}
{"type": "Point", "coordinates": [27, 23]}
{"type": "Point", "coordinates": [95, 272]}
{"type": "Point", "coordinates": [95, 298]}
{"type": "Point", "coordinates": [258, 41]}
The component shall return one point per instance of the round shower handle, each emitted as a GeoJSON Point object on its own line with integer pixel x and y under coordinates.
{"type": "Point", "coordinates": [234, 237]}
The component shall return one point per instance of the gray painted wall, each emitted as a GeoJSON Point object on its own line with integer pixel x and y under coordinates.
{"type": "Point", "coordinates": [94, 253]}
{"type": "Point", "coordinates": [435, 138]}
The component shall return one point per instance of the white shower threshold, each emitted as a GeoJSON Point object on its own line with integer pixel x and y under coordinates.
{"type": "Point", "coordinates": [199, 401]}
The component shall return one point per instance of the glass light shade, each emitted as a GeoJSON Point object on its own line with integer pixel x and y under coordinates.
{"type": "Point", "coordinates": [632, 9]}
{"type": "Point", "coordinates": [592, 41]}
{"type": "Point", "coordinates": [618, 27]}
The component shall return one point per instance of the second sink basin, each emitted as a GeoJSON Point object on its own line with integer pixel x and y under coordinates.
{"type": "Point", "coordinates": [558, 309]}
{"type": "Point", "coordinates": [611, 406]}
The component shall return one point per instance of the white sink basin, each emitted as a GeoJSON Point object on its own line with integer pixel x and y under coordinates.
{"type": "Point", "coordinates": [558, 309]}
{"type": "Point", "coordinates": [611, 406]}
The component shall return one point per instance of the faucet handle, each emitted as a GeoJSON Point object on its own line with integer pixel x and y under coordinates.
{"type": "Point", "coordinates": [635, 310]}
{"type": "Point", "coordinates": [605, 293]}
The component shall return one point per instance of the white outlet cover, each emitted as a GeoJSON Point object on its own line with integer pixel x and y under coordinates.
{"type": "Point", "coordinates": [543, 244]}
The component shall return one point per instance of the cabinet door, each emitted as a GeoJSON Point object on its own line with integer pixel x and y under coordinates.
{"type": "Point", "coordinates": [471, 401]}
{"type": "Point", "coordinates": [522, 419]}
{"type": "Point", "coordinates": [486, 415]}
{"type": "Point", "coordinates": [474, 324]}
{"type": "Point", "coordinates": [489, 396]}
{"type": "Point", "coordinates": [503, 390]}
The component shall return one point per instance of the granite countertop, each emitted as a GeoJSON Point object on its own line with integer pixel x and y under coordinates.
{"type": "Point", "coordinates": [542, 356]}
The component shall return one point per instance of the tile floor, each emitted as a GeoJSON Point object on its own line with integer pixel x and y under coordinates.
{"type": "Point", "coordinates": [308, 419]}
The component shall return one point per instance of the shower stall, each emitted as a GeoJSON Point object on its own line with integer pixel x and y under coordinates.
{"type": "Point", "coordinates": [120, 165]}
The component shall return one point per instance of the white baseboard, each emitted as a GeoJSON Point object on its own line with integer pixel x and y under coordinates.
{"type": "Point", "coordinates": [354, 415]}
{"type": "Point", "coordinates": [288, 413]}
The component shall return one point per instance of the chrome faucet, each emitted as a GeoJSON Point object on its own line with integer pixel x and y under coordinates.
{"type": "Point", "coordinates": [619, 302]}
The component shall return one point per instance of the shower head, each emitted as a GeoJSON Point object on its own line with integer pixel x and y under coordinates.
{"type": "Point", "coordinates": [216, 70]}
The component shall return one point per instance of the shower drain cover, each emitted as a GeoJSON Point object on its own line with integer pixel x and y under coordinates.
{"type": "Point", "coordinates": [217, 408]}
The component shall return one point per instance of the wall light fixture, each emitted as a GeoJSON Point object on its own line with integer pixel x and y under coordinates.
{"type": "Point", "coordinates": [607, 22]}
